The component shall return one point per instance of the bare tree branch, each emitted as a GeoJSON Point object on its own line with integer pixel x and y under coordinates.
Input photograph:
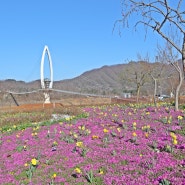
{"type": "Point", "coordinates": [158, 15]}
{"type": "Point", "coordinates": [155, 14]}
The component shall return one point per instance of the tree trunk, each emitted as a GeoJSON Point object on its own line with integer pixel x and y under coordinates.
{"type": "Point", "coordinates": [181, 77]}
{"type": "Point", "coordinates": [138, 92]}
{"type": "Point", "coordinates": [155, 90]}
{"type": "Point", "coordinates": [183, 55]}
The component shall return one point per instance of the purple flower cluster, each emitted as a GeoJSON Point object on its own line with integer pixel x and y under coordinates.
{"type": "Point", "coordinates": [119, 146]}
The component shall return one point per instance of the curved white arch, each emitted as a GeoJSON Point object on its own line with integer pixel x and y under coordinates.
{"type": "Point", "coordinates": [46, 50]}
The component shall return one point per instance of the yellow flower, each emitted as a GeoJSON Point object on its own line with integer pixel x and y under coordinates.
{"type": "Point", "coordinates": [34, 134]}
{"type": "Point", "coordinates": [54, 176]}
{"type": "Point", "coordinates": [101, 172]}
{"type": "Point", "coordinates": [14, 126]}
{"type": "Point", "coordinates": [37, 128]}
{"type": "Point", "coordinates": [141, 155]}
{"type": "Point", "coordinates": [79, 144]}
{"type": "Point", "coordinates": [77, 170]}
{"type": "Point", "coordinates": [134, 134]}
{"type": "Point", "coordinates": [55, 143]}
{"type": "Point", "coordinates": [170, 119]}
{"type": "Point", "coordinates": [75, 135]}
{"type": "Point", "coordinates": [83, 127]}
{"type": "Point", "coordinates": [68, 119]}
{"type": "Point", "coordinates": [88, 131]}
{"type": "Point", "coordinates": [95, 137]}
{"type": "Point", "coordinates": [173, 135]}
{"type": "Point", "coordinates": [146, 135]}
{"type": "Point", "coordinates": [34, 162]}
{"type": "Point", "coordinates": [105, 130]}
{"type": "Point", "coordinates": [175, 141]}
{"type": "Point", "coordinates": [119, 129]}
{"type": "Point", "coordinates": [180, 117]}
{"type": "Point", "coordinates": [26, 164]}
{"type": "Point", "coordinates": [134, 124]}
{"type": "Point", "coordinates": [147, 113]}
{"type": "Point", "coordinates": [11, 173]}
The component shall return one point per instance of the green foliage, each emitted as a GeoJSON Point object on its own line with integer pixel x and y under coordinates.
{"type": "Point", "coordinates": [113, 134]}
{"type": "Point", "coordinates": [113, 153]}
{"type": "Point", "coordinates": [68, 139]}
{"type": "Point", "coordinates": [182, 107]}
{"type": "Point", "coordinates": [30, 171]}
{"type": "Point", "coordinates": [84, 152]}
{"type": "Point", "coordinates": [90, 176]}
{"type": "Point", "coordinates": [19, 148]}
{"type": "Point", "coordinates": [164, 182]}
{"type": "Point", "coordinates": [83, 115]}
{"type": "Point", "coordinates": [154, 146]}
{"type": "Point", "coordinates": [181, 131]}
{"type": "Point", "coordinates": [124, 162]}
{"type": "Point", "coordinates": [168, 149]}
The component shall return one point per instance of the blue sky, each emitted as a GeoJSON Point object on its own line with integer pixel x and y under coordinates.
{"type": "Point", "coordinates": [79, 34]}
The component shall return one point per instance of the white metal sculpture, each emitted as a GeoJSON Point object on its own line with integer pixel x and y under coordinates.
{"type": "Point", "coordinates": [46, 50]}
{"type": "Point", "coordinates": [43, 82]}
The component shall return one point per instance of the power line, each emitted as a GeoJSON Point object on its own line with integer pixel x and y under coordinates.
{"type": "Point", "coordinates": [58, 90]}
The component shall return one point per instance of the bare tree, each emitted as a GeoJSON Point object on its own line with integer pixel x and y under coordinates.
{"type": "Point", "coordinates": [158, 72]}
{"type": "Point", "coordinates": [168, 55]}
{"type": "Point", "coordinates": [160, 16]}
{"type": "Point", "coordinates": [136, 74]}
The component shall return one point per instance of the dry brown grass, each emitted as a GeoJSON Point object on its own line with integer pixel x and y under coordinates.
{"type": "Point", "coordinates": [67, 105]}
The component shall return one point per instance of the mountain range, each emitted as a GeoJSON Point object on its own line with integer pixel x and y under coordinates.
{"type": "Point", "coordinates": [107, 80]}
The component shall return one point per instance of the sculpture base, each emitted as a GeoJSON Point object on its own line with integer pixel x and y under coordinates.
{"type": "Point", "coordinates": [46, 98]}
{"type": "Point", "coordinates": [47, 102]}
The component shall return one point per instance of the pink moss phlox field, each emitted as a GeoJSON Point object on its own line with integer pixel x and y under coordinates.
{"type": "Point", "coordinates": [120, 146]}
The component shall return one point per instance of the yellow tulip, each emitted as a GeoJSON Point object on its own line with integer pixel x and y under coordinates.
{"type": "Point", "coordinates": [79, 144]}
{"type": "Point", "coordinates": [105, 130]}
{"type": "Point", "coordinates": [134, 134]}
{"type": "Point", "coordinates": [175, 142]}
{"type": "Point", "coordinates": [77, 170]}
{"type": "Point", "coordinates": [34, 162]}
